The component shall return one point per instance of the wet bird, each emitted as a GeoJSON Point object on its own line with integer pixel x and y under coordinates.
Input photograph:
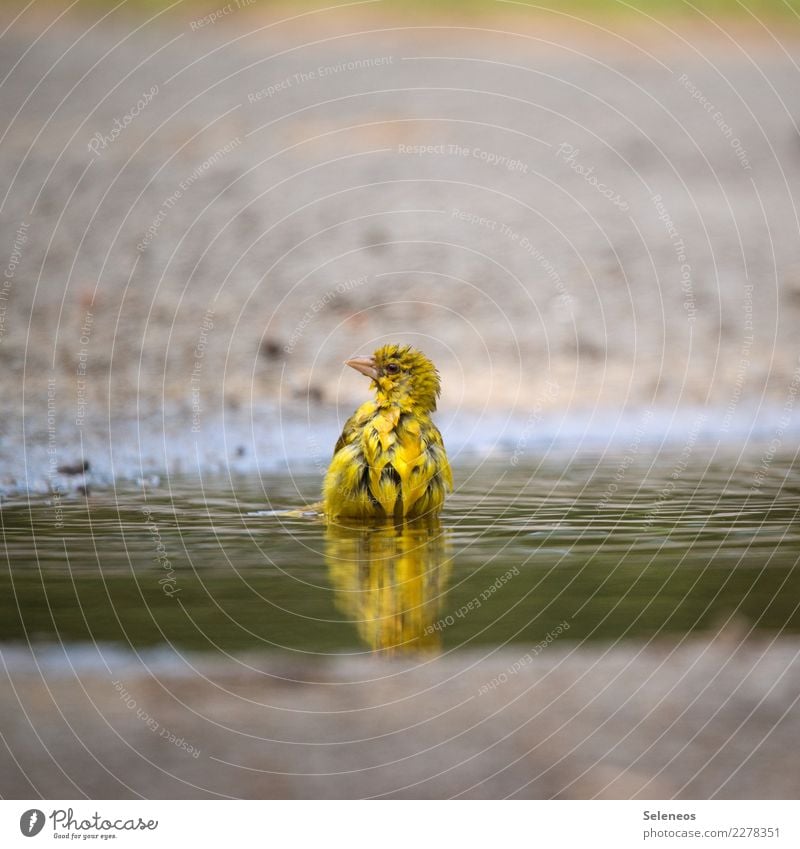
{"type": "Point", "coordinates": [390, 460]}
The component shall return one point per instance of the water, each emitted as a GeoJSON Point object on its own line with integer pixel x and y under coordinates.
{"type": "Point", "coordinates": [572, 549]}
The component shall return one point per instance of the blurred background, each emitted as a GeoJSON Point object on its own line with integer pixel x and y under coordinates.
{"type": "Point", "coordinates": [579, 214]}
{"type": "Point", "coordinates": [585, 213]}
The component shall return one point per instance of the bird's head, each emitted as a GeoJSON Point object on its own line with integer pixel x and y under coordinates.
{"type": "Point", "coordinates": [402, 376]}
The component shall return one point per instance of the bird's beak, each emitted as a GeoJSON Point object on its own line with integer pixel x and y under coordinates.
{"type": "Point", "coordinates": [366, 365]}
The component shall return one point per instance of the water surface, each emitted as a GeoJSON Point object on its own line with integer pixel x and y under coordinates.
{"type": "Point", "coordinates": [569, 549]}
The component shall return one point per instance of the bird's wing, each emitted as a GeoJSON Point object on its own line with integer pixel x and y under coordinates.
{"type": "Point", "coordinates": [420, 460]}
{"type": "Point", "coordinates": [352, 427]}
{"type": "Point", "coordinates": [435, 439]}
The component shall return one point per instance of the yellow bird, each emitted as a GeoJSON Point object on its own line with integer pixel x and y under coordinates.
{"type": "Point", "coordinates": [390, 460]}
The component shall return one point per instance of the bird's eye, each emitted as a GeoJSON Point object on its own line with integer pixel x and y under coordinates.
{"type": "Point", "coordinates": [392, 368]}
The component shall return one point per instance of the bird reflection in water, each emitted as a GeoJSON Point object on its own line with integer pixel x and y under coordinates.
{"type": "Point", "coordinates": [390, 580]}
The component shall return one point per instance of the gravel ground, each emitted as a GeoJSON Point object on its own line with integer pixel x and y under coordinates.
{"type": "Point", "coordinates": [201, 220]}
{"type": "Point", "coordinates": [702, 719]}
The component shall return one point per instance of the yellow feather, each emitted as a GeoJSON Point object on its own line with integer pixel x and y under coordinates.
{"type": "Point", "coordinates": [390, 460]}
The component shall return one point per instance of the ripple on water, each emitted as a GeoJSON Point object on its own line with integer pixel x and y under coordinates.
{"type": "Point", "coordinates": [521, 549]}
